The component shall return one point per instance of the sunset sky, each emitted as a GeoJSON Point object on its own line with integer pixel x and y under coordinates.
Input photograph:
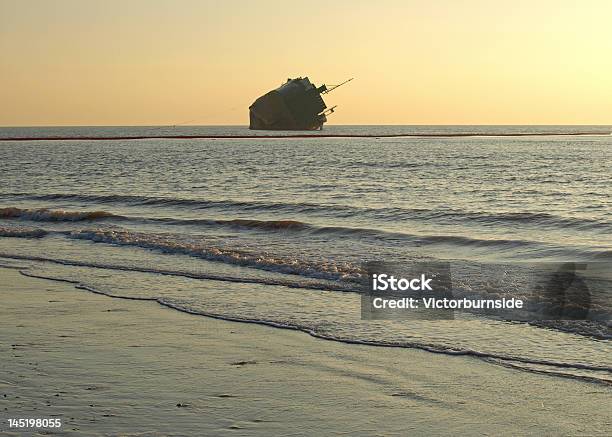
{"type": "Point", "coordinates": [204, 62]}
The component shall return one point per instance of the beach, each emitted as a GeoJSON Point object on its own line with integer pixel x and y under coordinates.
{"type": "Point", "coordinates": [264, 219]}
{"type": "Point", "coordinates": [213, 286]}
{"type": "Point", "coordinates": [114, 366]}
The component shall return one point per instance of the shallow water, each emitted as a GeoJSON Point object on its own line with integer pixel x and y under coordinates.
{"type": "Point", "coordinates": [275, 231]}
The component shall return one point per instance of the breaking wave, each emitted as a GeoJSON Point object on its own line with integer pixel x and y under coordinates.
{"type": "Point", "coordinates": [22, 232]}
{"type": "Point", "coordinates": [52, 215]}
{"type": "Point", "coordinates": [160, 241]}
{"type": "Point", "coordinates": [264, 224]}
{"type": "Point", "coordinates": [387, 213]}
{"type": "Point", "coordinates": [301, 283]}
{"type": "Point", "coordinates": [328, 270]}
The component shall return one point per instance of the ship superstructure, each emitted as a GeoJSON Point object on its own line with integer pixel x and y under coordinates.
{"type": "Point", "coordinates": [295, 105]}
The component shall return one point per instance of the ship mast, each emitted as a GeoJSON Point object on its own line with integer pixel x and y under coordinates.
{"type": "Point", "coordinates": [329, 110]}
{"type": "Point", "coordinates": [333, 87]}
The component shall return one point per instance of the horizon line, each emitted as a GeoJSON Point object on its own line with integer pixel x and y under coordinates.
{"type": "Point", "coordinates": [246, 126]}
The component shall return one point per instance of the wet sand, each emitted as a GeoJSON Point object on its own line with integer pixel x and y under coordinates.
{"type": "Point", "coordinates": [107, 366]}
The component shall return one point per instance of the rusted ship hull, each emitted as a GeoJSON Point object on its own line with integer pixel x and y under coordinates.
{"type": "Point", "coordinates": [295, 105]}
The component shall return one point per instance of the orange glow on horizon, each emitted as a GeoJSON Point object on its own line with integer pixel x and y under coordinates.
{"type": "Point", "coordinates": [152, 62]}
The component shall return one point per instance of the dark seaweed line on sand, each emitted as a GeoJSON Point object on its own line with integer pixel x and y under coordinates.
{"type": "Point", "coordinates": [491, 358]}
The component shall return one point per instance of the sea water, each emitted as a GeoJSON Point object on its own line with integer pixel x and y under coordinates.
{"type": "Point", "coordinates": [276, 231]}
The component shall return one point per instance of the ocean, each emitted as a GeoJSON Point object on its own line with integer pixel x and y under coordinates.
{"type": "Point", "coordinates": [275, 231]}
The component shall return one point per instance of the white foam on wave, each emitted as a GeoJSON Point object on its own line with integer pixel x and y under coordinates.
{"type": "Point", "coordinates": [22, 232]}
{"type": "Point", "coordinates": [174, 244]}
{"type": "Point", "coordinates": [52, 215]}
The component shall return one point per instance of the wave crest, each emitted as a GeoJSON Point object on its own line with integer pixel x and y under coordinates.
{"type": "Point", "coordinates": [168, 243]}
{"type": "Point", "coordinates": [264, 224]}
{"type": "Point", "coordinates": [22, 232]}
{"type": "Point", "coordinates": [52, 215]}
{"type": "Point", "coordinates": [390, 213]}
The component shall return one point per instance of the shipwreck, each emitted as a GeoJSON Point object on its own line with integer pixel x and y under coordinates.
{"type": "Point", "coordinates": [295, 105]}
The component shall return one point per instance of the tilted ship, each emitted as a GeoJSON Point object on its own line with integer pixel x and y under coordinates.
{"type": "Point", "coordinates": [295, 105]}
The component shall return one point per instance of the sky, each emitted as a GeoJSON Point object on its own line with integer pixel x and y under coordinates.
{"type": "Point", "coordinates": [167, 62]}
